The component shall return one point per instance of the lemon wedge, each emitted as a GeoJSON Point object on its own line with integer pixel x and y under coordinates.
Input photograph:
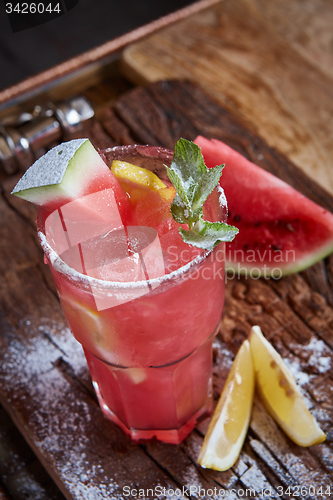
{"type": "Point", "coordinates": [128, 172]}
{"type": "Point", "coordinates": [280, 394]}
{"type": "Point", "coordinates": [89, 326]}
{"type": "Point", "coordinates": [228, 427]}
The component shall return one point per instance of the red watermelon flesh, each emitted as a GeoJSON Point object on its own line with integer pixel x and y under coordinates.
{"type": "Point", "coordinates": [280, 230]}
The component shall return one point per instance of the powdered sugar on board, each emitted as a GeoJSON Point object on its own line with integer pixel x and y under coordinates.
{"type": "Point", "coordinates": [295, 462]}
{"type": "Point", "coordinates": [88, 456]}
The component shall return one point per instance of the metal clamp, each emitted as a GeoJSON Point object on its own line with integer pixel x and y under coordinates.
{"type": "Point", "coordinates": [23, 141]}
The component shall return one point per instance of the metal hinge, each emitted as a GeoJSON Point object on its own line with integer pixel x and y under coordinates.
{"type": "Point", "coordinates": [31, 134]}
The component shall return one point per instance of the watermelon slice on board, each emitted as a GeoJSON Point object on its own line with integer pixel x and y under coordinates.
{"type": "Point", "coordinates": [280, 230]}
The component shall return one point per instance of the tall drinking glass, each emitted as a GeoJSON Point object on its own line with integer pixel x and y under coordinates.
{"type": "Point", "coordinates": [146, 328]}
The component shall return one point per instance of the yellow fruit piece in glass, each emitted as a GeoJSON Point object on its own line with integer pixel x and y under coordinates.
{"type": "Point", "coordinates": [136, 181]}
{"type": "Point", "coordinates": [280, 395]}
{"type": "Point", "coordinates": [227, 430]}
{"type": "Point", "coordinates": [93, 328]}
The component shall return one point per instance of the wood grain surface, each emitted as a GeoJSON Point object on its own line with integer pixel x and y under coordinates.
{"type": "Point", "coordinates": [44, 381]}
{"type": "Point", "coordinates": [271, 63]}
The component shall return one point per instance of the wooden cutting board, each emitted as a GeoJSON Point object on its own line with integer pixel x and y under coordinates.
{"type": "Point", "coordinates": [271, 63]}
{"type": "Point", "coordinates": [44, 381]}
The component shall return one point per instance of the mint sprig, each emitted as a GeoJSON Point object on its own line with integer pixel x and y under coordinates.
{"type": "Point", "coordinates": [194, 182]}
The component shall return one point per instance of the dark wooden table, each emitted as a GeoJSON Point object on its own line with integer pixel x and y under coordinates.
{"type": "Point", "coordinates": [44, 381]}
{"type": "Point", "coordinates": [45, 387]}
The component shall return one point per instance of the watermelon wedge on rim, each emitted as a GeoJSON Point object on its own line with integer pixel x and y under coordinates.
{"type": "Point", "coordinates": [280, 230]}
{"type": "Point", "coordinates": [67, 172]}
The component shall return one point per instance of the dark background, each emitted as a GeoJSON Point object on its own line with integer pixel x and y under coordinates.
{"type": "Point", "coordinates": [89, 24]}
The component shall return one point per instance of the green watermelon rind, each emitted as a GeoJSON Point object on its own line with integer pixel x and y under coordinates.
{"type": "Point", "coordinates": [73, 181]}
{"type": "Point", "coordinates": [262, 269]}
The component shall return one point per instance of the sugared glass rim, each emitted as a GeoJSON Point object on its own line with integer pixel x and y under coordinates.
{"type": "Point", "coordinates": [60, 266]}
{"type": "Point", "coordinates": [162, 154]}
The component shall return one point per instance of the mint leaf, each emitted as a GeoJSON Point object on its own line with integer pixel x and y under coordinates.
{"type": "Point", "coordinates": [210, 235]}
{"type": "Point", "coordinates": [194, 182]}
{"type": "Point", "coordinates": [205, 186]}
{"type": "Point", "coordinates": [179, 211]}
{"type": "Point", "coordinates": [179, 185]}
{"type": "Point", "coordinates": [188, 162]}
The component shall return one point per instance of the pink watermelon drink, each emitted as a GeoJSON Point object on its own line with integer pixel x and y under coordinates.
{"type": "Point", "coordinates": [144, 304]}
{"type": "Point", "coordinates": [148, 337]}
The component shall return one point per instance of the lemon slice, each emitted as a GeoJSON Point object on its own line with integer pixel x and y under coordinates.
{"type": "Point", "coordinates": [228, 427]}
{"type": "Point", "coordinates": [128, 172]}
{"type": "Point", "coordinates": [280, 395]}
{"type": "Point", "coordinates": [89, 326]}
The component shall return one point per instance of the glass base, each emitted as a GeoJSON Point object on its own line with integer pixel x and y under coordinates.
{"type": "Point", "coordinates": [156, 402]}
{"type": "Point", "coordinates": [171, 436]}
